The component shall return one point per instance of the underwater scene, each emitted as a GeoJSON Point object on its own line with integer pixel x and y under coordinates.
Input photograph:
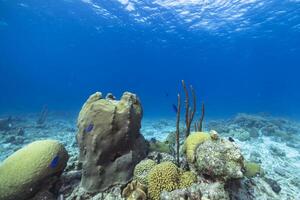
{"type": "Point", "coordinates": [150, 100]}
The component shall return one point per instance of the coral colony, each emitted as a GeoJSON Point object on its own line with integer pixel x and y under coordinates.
{"type": "Point", "coordinates": [116, 162]}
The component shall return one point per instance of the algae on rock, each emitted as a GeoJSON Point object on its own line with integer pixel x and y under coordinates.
{"type": "Point", "coordinates": [109, 140]}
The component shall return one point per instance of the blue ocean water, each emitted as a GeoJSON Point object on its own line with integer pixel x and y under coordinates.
{"type": "Point", "coordinates": [240, 55]}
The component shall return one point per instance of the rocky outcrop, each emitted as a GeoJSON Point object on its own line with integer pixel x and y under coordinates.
{"type": "Point", "coordinates": [109, 140]}
{"type": "Point", "coordinates": [219, 159]}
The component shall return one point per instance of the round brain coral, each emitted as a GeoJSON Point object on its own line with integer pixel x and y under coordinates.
{"type": "Point", "coordinates": [23, 172]}
{"type": "Point", "coordinates": [164, 176]}
{"type": "Point", "coordinates": [142, 170]}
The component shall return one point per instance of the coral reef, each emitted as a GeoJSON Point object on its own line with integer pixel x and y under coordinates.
{"type": "Point", "coordinates": [109, 140]}
{"type": "Point", "coordinates": [25, 171]}
{"type": "Point", "coordinates": [211, 167]}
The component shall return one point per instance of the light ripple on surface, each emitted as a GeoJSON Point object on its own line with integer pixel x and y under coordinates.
{"type": "Point", "coordinates": [214, 16]}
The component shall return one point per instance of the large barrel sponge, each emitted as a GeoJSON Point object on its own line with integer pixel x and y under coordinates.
{"type": "Point", "coordinates": [22, 173]}
{"type": "Point", "coordinates": [109, 139]}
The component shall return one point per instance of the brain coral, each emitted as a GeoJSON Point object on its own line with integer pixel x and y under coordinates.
{"type": "Point", "coordinates": [163, 176]}
{"type": "Point", "coordinates": [23, 172]}
{"type": "Point", "coordinates": [167, 177]}
{"type": "Point", "coordinates": [142, 170]}
{"type": "Point", "coordinates": [187, 179]}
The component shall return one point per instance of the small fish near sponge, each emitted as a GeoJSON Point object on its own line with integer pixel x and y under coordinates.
{"type": "Point", "coordinates": [24, 172]}
{"type": "Point", "coordinates": [192, 142]}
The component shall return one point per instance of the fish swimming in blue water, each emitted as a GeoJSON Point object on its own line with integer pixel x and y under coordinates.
{"type": "Point", "coordinates": [153, 140]}
{"type": "Point", "coordinates": [231, 139]}
{"type": "Point", "coordinates": [89, 128]}
{"type": "Point", "coordinates": [166, 94]}
{"type": "Point", "coordinates": [54, 162]}
{"type": "Point", "coordinates": [175, 108]}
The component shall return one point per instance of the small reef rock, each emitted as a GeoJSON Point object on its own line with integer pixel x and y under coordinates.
{"type": "Point", "coordinates": [219, 159]}
{"type": "Point", "coordinates": [135, 191]}
{"type": "Point", "coordinates": [26, 171]}
{"type": "Point", "coordinates": [200, 191]}
{"type": "Point", "coordinates": [109, 140]}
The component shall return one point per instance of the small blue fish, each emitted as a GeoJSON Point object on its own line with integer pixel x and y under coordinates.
{"type": "Point", "coordinates": [175, 108]}
{"type": "Point", "coordinates": [153, 140]}
{"type": "Point", "coordinates": [89, 128]}
{"type": "Point", "coordinates": [54, 162]}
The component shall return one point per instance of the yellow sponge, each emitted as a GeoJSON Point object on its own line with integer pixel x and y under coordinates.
{"type": "Point", "coordinates": [191, 143]}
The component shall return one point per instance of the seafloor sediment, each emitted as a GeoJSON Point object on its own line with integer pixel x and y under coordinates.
{"type": "Point", "coordinates": [272, 142]}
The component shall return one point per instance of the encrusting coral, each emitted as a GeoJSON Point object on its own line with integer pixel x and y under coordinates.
{"type": "Point", "coordinates": [24, 172]}
{"type": "Point", "coordinates": [142, 170]}
{"type": "Point", "coordinates": [109, 140]}
{"type": "Point", "coordinates": [135, 191]}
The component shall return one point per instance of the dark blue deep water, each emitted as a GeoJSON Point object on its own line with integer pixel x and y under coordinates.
{"type": "Point", "coordinates": [240, 55]}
